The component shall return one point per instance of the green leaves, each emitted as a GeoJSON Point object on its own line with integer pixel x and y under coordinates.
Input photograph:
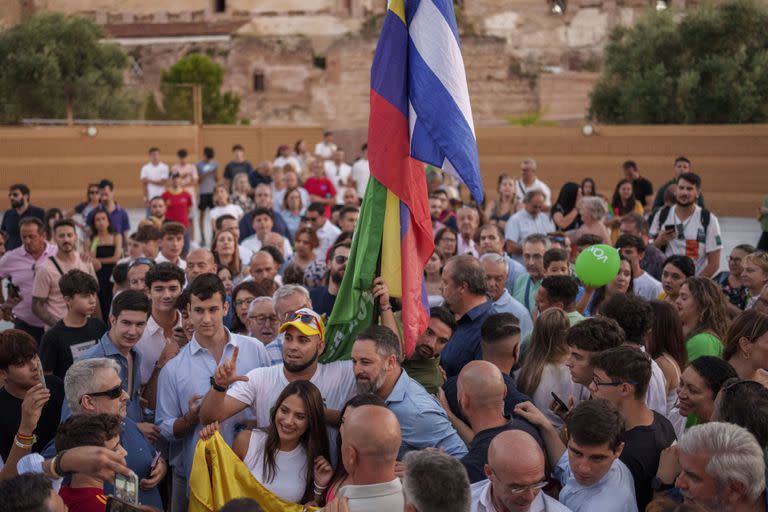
{"type": "Point", "coordinates": [711, 67]}
{"type": "Point", "coordinates": [51, 59]}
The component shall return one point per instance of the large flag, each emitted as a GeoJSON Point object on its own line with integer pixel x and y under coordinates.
{"type": "Point", "coordinates": [420, 113]}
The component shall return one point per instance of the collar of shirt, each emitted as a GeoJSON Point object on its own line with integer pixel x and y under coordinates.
{"type": "Point", "coordinates": [476, 312]}
{"type": "Point", "coordinates": [109, 348]}
{"type": "Point", "coordinates": [401, 388]}
{"type": "Point", "coordinates": [505, 299]}
{"type": "Point", "coordinates": [232, 340]}
{"type": "Point", "coordinates": [153, 327]}
{"type": "Point", "coordinates": [50, 250]}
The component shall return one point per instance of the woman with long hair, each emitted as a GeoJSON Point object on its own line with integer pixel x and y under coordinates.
{"type": "Point", "coordinates": [242, 193]}
{"type": "Point", "coordinates": [92, 201]}
{"type": "Point", "coordinates": [49, 219]}
{"type": "Point", "coordinates": [432, 281]}
{"type": "Point", "coordinates": [588, 188]}
{"type": "Point", "coordinates": [730, 280]}
{"type": "Point", "coordinates": [755, 275]}
{"type": "Point", "coordinates": [227, 253]}
{"type": "Point", "coordinates": [106, 250]}
{"type": "Point", "coordinates": [565, 211]}
{"type": "Point", "coordinates": [340, 475]}
{"type": "Point", "coordinates": [446, 243]}
{"type": "Point", "coordinates": [622, 203]}
{"type": "Point", "coordinates": [746, 346]}
{"type": "Point", "coordinates": [701, 307]}
{"type": "Point", "coordinates": [622, 283]}
{"type": "Point", "coordinates": [544, 371]}
{"type": "Point", "coordinates": [664, 342]}
{"type": "Point", "coordinates": [292, 210]}
{"type": "Point", "coordinates": [290, 456]}
{"type": "Point", "coordinates": [242, 296]}
{"type": "Point", "coordinates": [674, 271]}
{"type": "Point", "coordinates": [498, 211]}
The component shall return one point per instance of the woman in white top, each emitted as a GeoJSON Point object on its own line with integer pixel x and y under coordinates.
{"type": "Point", "coordinates": [290, 456]}
{"type": "Point", "coordinates": [666, 345]}
{"type": "Point", "coordinates": [222, 206]}
{"type": "Point", "coordinates": [544, 372]}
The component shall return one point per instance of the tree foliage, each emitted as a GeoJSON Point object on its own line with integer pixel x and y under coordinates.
{"type": "Point", "coordinates": [52, 65]}
{"type": "Point", "coordinates": [710, 67]}
{"type": "Point", "coordinates": [176, 104]}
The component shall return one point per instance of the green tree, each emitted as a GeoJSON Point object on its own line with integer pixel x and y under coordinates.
{"type": "Point", "coordinates": [53, 65]}
{"type": "Point", "coordinates": [710, 67]}
{"type": "Point", "coordinates": [176, 104]}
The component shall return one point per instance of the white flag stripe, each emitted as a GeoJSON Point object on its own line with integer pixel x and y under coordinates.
{"type": "Point", "coordinates": [435, 42]}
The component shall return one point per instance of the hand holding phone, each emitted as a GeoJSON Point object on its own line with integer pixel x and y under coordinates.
{"type": "Point", "coordinates": [118, 505]}
{"type": "Point", "coordinates": [41, 373]}
{"type": "Point", "coordinates": [127, 488]}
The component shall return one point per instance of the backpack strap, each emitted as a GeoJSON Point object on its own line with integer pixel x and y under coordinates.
{"type": "Point", "coordinates": [56, 264]}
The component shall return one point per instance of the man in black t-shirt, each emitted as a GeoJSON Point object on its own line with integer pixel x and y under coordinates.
{"type": "Point", "coordinates": [642, 187]}
{"type": "Point", "coordinates": [19, 373]}
{"type": "Point", "coordinates": [324, 297]}
{"type": "Point", "coordinates": [237, 166]}
{"type": "Point", "coordinates": [78, 330]}
{"type": "Point", "coordinates": [621, 375]}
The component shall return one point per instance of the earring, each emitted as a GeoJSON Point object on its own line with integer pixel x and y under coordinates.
{"type": "Point", "coordinates": [745, 355]}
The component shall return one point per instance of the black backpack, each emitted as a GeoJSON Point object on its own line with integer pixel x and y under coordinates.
{"type": "Point", "coordinates": [706, 216]}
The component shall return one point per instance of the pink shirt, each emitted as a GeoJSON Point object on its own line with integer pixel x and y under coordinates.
{"type": "Point", "coordinates": [20, 266]}
{"type": "Point", "coordinates": [189, 177]}
{"type": "Point", "coordinates": [46, 283]}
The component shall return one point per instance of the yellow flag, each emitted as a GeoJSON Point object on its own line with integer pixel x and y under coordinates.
{"type": "Point", "coordinates": [218, 476]}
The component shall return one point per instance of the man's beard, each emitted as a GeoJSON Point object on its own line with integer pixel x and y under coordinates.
{"type": "Point", "coordinates": [300, 367]}
{"type": "Point", "coordinates": [337, 277]}
{"type": "Point", "coordinates": [17, 203]}
{"type": "Point", "coordinates": [368, 386]}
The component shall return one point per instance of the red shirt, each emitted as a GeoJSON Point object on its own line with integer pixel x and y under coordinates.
{"type": "Point", "coordinates": [321, 187]}
{"type": "Point", "coordinates": [178, 206]}
{"type": "Point", "coordinates": [84, 499]}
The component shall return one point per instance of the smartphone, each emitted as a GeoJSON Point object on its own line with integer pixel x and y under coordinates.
{"type": "Point", "coordinates": [155, 461]}
{"type": "Point", "coordinates": [118, 505]}
{"type": "Point", "coordinates": [40, 372]}
{"type": "Point", "coordinates": [559, 402]}
{"type": "Point", "coordinates": [127, 488]}
{"type": "Point", "coordinates": [669, 227]}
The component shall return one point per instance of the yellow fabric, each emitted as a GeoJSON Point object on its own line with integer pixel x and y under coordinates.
{"type": "Point", "coordinates": [398, 8]}
{"type": "Point", "coordinates": [390, 247]}
{"type": "Point", "coordinates": [218, 476]}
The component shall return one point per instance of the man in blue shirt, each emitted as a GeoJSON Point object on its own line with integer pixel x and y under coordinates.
{"type": "Point", "coordinates": [20, 208]}
{"type": "Point", "coordinates": [464, 291]}
{"type": "Point", "coordinates": [589, 469]}
{"type": "Point", "coordinates": [117, 215]}
{"type": "Point", "coordinates": [186, 378]}
{"type": "Point", "coordinates": [130, 311]}
{"type": "Point", "coordinates": [423, 423]}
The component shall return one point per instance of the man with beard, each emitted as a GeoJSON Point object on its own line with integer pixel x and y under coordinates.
{"type": "Point", "coordinates": [469, 221]}
{"type": "Point", "coordinates": [464, 291]}
{"type": "Point", "coordinates": [376, 358]}
{"type": "Point", "coordinates": [686, 228]}
{"type": "Point", "coordinates": [48, 303]}
{"type": "Point", "coordinates": [186, 378]}
{"type": "Point", "coordinates": [324, 297]}
{"type": "Point", "coordinates": [19, 266]}
{"type": "Point", "coordinates": [528, 284]}
{"type": "Point", "coordinates": [303, 342]}
{"type": "Point", "coordinates": [424, 365]}
{"type": "Point", "coordinates": [199, 261]}
{"type": "Point", "coordinates": [20, 208]}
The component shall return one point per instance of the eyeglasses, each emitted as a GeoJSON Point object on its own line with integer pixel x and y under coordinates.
{"type": "Point", "coordinates": [262, 319]}
{"type": "Point", "coordinates": [113, 394]}
{"type": "Point", "coordinates": [93, 191]}
{"type": "Point", "coordinates": [532, 487]}
{"type": "Point", "coordinates": [311, 219]}
{"type": "Point", "coordinates": [340, 260]}
{"type": "Point", "coordinates": [613, 382]}
{"type": "Point", "coordinates": [244, 302]}
{"type": "Point", "coordinates": [304, 318]}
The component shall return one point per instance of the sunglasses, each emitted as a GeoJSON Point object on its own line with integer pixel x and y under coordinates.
{"type": "Point", "coordinates": [304, 318]}
{"type": "Point", "coordinates": [93, 191]}
{"type": "Point", "coordinates": [613, 383]}
{"type": "Point", "coordinates": [112, 394]}
{"type": "Point", "coordinates": [142, 261]}
{"type": "Point", "coordinates": [340, 260]}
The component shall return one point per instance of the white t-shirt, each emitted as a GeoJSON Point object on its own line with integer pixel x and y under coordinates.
{"type": "Point", "coordinates": [521, 189]}
{"type": "Point", "coordinates": [555, 378]}
{"type": "Point", "coordinates": [154, 172]}
{"type": "Point", "coordinates": [336, 382]}
{"type": "Point", "coordinates": [337, 174]}
{"type": "Point", "coordinates": [160, 258]}
{"type": "Point", "coordinates": [694, 243]}
{"type": "Point", "coordinates": [646, 286]}
{"type": "Point", "coordinates": [230, 209]}
{"type": "Point", "coordinates": [327, 235]}
{"type": "Point", "coordinates": [290, 478]}
{"type": "Point", "coordinates": [325, 151]}
{"type": "Point", "coordinates": [361, 172]}
{"type": "Point", "coordinates": [252, 244]}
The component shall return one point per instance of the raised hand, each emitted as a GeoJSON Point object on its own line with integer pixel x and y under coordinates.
{"type": "Point", "coordinates": [529, 412]}
{"type": "Point", "coordinates": [322, 472]}
{"type": "Point", "coordinates": [150, 431]}
{"type": "Point", "coordinates": [208, 431]}
{"type": "Point", "coordinates": [226, 372]}
{"type": "Point", "coordinates": [380, 292]}
{"type": "Point", "coordinates": [32, 407]}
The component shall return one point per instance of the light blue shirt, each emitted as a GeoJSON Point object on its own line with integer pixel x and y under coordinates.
{"type": "Point", "coordinates": [522, 224]}
{"type": "Point", "coordinates": [515, 269]}
{"type": "Point", "coordinates": [275, 350]}
{"type": "Point", "coordinates": [614, 492]}
{"type": "Point", "coordinates": [189, 374]}
{"type": "Point", "coordinates": [508, 304]}
{"type": "Point", "coordinates": [423, 422]}
{"type": "Point", "coordinates": [105, 348]}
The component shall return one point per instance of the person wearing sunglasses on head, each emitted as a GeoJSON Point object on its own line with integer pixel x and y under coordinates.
{"type": "Point", "coordinates": [93, 387]}
{"type": "Point", "coordinates": [303, 342]}
{"type": "Point", "coordinates": [324, 297]}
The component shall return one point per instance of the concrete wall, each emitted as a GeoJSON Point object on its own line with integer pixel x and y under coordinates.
{"type": "Point", "coordinates": [57, 163]}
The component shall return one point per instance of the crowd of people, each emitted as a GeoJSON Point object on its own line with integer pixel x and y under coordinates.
{"type": "Point", "coordinates": [528, 390]}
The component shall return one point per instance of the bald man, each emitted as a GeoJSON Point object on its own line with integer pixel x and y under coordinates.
{"type": "Point", "coordinates": [514, 483]}
{"type": "Point", "coordinates": [262, 266]}
{"type": "Point", "coordinates": [199, 261]}
{"type": "Point", "coordinates": [370, 440]}
{"type": "Point", "coordinates": [481, 392]}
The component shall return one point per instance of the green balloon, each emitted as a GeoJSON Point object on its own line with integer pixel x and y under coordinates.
{"type": "Point", "coordinates": [597, 265]}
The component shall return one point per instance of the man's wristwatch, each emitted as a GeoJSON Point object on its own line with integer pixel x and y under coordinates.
{"type": "Point", "coordinates": [216, 387]}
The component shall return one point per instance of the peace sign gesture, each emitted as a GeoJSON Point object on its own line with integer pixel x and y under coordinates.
{"type": "Point", "coordinates": [226, 372]}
